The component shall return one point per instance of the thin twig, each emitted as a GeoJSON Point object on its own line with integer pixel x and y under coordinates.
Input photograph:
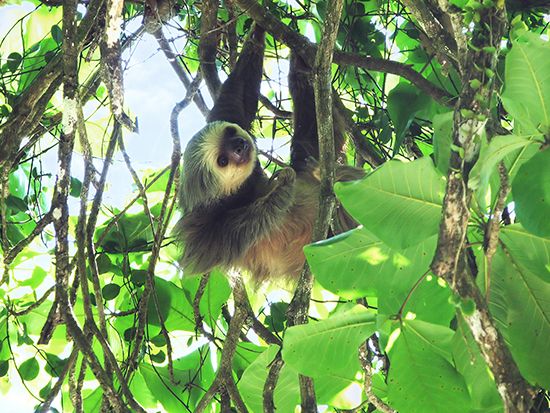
{"type": "Point", "coordinates": [367, 370]}
{"type": "Point", "coordinates": [182, 76]}
{"type": "Point", "coordinates": [493, 226]}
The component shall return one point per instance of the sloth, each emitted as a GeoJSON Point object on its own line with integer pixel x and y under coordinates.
{"type": "Point", "coordinates": [234, 215]}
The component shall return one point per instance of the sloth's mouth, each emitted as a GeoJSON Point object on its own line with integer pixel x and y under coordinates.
{"type": "Point", "coordinates": [238, 150]}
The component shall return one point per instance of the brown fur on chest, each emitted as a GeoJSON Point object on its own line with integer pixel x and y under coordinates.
{"type": "Point", "coordinates": [280, 255]}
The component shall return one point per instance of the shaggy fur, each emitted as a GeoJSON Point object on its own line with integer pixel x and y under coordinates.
{"type": "Point", "coordinates": [233, 214]}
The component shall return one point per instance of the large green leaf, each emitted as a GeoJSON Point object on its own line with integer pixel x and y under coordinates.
{"type": "Point", "coordinates": [400, 202]}
{"type": "Point", "coordinates": [349, 264]}
{"type": "Point", "coordinates": [529, 252]}
{"type": "Point", "coordinates": [357, 264]}
{"type": "Point", "coordinates": [329, 347]}
{"type": "Point", "coordinates": [421, 378]}
{"type": "Point", "coordinates": [175, 309]}
{"type": "Point", "coordinates": [531, 191]}
{"type": "Point", "coordinates": [527, 84]}
{"type": "Point", "coordinates": [520, 302]}
{"type": "Point", "coordinates": [497, 150]}
{"type": "Point", "coordinates": [404, 102]}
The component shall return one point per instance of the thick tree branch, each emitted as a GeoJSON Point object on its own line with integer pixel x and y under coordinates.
{"type": "Point", "coordinates": [470, 117]}
{"type": "Point", "coordinates": [271, 382]}
{"type": "Point", "coordinates": [111, 62]}
{"type": "Point", "coordinates": [367, 371]}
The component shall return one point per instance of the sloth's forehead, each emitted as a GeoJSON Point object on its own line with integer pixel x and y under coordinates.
{"type": "Point", "coordinates": [217, 131]}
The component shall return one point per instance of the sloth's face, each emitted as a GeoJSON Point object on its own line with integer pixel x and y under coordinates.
{"type": "Point", "coordinates": [230, 153]}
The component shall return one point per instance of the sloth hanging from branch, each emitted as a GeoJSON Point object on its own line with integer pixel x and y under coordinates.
{"type": "Point", "coordinates": [234, 215]}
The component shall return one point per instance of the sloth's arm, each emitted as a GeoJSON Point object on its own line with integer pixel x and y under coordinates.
{"type": "Point", "coordinates": [221, 238]}
{"type": "Point", "coordinates": [250, 223]}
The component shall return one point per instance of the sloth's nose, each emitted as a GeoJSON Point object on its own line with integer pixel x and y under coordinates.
{"type": "Point", "coordinates": [239, 145]}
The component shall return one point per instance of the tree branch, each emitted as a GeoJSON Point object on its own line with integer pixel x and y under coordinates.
{"type": "Point", "coordinates": [111, 62]}
{"type": "Point", "coordinates": [223, 376]}
{"type": "Point", "coordinates": [301, 45]}
{"type": "Point", "coordinates": [450, 262]}
{"type": "Point", "coordinates": [437, 33]}
{"type": "Point", "coordinates": [32, 103]}
{"type": "Point", "coordinates": [183, 77]}
{"type": "Point", "coordinates": [322, 85]}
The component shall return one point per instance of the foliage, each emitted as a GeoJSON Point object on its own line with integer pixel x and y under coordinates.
{"type": "Point", "coordinates": [375, 293]}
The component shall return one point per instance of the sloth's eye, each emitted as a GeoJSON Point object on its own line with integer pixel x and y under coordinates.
{"type": "Point", "coordinates": [223, 161]}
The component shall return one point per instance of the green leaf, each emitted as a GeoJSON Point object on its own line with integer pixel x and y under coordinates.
{"type": "Point", "coordinates": [110, 291]}
{"type": "Point", "coordinates": [4, 367]}
{"type": "Point", "coordinates": [29, 369]}
{"type": "Point", "coordinates": [76, 187]}
{"type": "Point", "coordinates": [139, 277]}
{"type": "Point", "coordinates": [520, 302]}
{"type": "Point", "coordinates": [498, 149]}
{"type": "Point", "coordinates": [329, 347]}
{"type": "Point", "coordinates": [16, 204]}
{"type": "Point", "coordinates": [45, 391]}
{"type": "Point", "coordinates": [400, 202]}
{"type": "Point", "coordinates": [36, 279]}
{"type": "Point", "coordinates": [57, 34]}
{"type": "Point", "coordinates": [442, 140]}
{"type": "Point", "coordinates": [158, 357]}
{"type": "Point", "coordinates": [421, 378]}
{"type": "Point", "coordinates": [14, 60]}
{"type": "Point", "coordinates": [531, 192]}
{"type": "Point", "coordinates": [526, 93]}
{"type": "Point", "coordinates": [276, 319]}
{"type": "Point", "coordinates": [529, 252]}
{"type": "Point", "coordinates": [54, 365]}
{"type": "Point", "coordinates": [404, 102]}
{"type": "Point", "coordinates": [104, 264]}
{"type": "Point", "coordinates": [351, 263]}
{"type": "Point", "coordinates": [174, 307]}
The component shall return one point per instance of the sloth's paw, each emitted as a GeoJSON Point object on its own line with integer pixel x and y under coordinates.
{"type": "Point", "coordinates": [284, 176]}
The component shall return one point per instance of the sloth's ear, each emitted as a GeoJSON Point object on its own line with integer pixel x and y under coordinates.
{"type": "Point", "coordinates": [237, 101]}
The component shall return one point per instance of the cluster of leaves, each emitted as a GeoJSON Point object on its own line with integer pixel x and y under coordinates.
{"type": "Point", "coordinates": [422, 354]}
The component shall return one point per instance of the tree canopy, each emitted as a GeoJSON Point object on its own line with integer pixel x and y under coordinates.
{"type": "Point", "coordinates": [438, 302]}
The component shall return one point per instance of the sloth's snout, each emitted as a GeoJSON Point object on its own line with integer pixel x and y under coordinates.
{"type": "Point", "coordinates": [239, 149]}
